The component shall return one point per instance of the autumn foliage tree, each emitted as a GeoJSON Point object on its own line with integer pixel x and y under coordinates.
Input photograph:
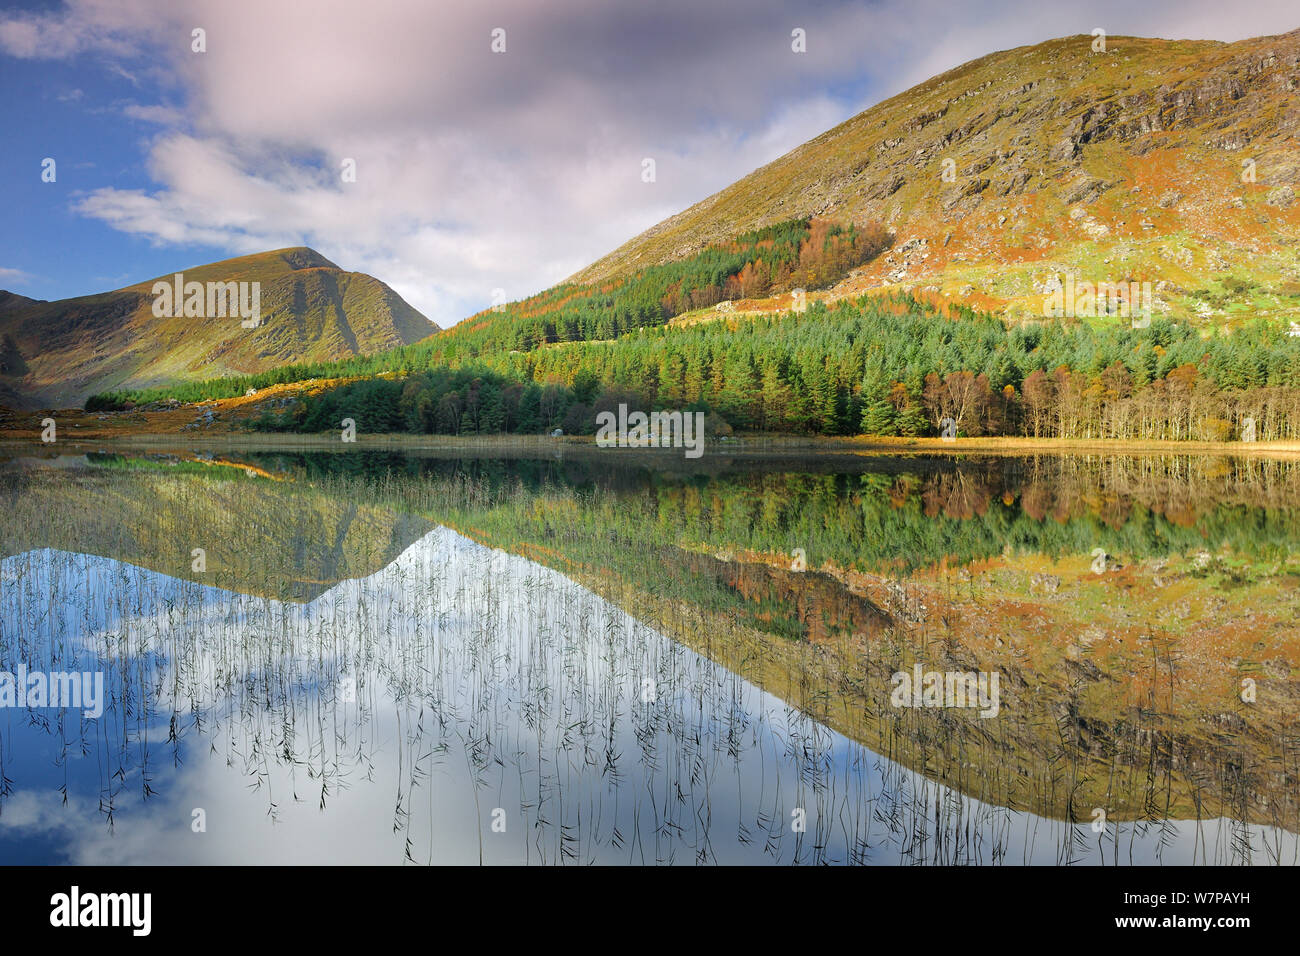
{"type": "Point", "coordinates": [965, 398]}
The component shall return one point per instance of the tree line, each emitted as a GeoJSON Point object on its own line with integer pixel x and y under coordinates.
{"type": "Point", "coordinates": [885, 366]}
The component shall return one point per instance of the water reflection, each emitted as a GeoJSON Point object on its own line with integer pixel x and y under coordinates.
{"type": "Point", "coordinates": [390, 717]}
{"type": "Point", "coordinates": [352, 680]}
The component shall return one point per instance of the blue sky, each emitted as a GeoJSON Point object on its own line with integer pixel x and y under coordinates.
{"type": "Point", "coordinates": [476, 170]}
{"type": "Point", "coordinates": [47, 112]}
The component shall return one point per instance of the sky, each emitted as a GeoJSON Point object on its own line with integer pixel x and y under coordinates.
{"type": "Point", "coordinates": [488, 164]}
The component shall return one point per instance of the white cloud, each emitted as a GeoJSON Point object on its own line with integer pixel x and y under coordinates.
{"type": "Point", "coordinates": [14, 275]}
{"type": "Point", "coordinates": [162, 115]}
{"type": "Point", "coordinates": [104, 26]}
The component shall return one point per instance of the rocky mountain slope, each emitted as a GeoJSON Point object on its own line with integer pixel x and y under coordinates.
{"type": "Point", "coordinates": [1168, 161]}
{"type": "Point", "coordinates": [55, 354]}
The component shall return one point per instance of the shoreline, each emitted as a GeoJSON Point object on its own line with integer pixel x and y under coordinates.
{"type": "Point", "coordinates": [744, 445]}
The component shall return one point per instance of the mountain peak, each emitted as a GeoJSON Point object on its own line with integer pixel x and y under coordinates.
{"type": "Point", "coordinates": [303, 257]}
{"type": "Point", "coordinates": [12, 300]}
{"type": "Point", "coordinates": [256, 265]}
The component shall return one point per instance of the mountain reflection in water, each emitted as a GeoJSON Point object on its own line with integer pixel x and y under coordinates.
{"type": "Point", "coordinates": [321, 657]}
{"type": "Point", "coordinates": [402, 715]}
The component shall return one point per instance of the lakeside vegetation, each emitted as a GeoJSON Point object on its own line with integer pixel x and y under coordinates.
{"type": "Point", "coordinates": [887, 365]}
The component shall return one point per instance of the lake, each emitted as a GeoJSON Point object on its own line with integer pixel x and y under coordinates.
{"type": "Point", "coordinates": [559, 654]}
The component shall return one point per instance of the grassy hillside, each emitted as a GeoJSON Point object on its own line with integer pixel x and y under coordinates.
{"type": "Point", "coordinates": [1119, 165]}
{"type": "Point", "coordinates": [55, 354]}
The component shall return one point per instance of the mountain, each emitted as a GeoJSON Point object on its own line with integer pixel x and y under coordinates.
{"type": "Point", "coordinates": [55, 354]}
{"type": "Point", "coordinates": [1170, 161]}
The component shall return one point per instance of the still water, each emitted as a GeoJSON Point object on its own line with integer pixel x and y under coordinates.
{"type": "Point", "coordinates": [387, 658]}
